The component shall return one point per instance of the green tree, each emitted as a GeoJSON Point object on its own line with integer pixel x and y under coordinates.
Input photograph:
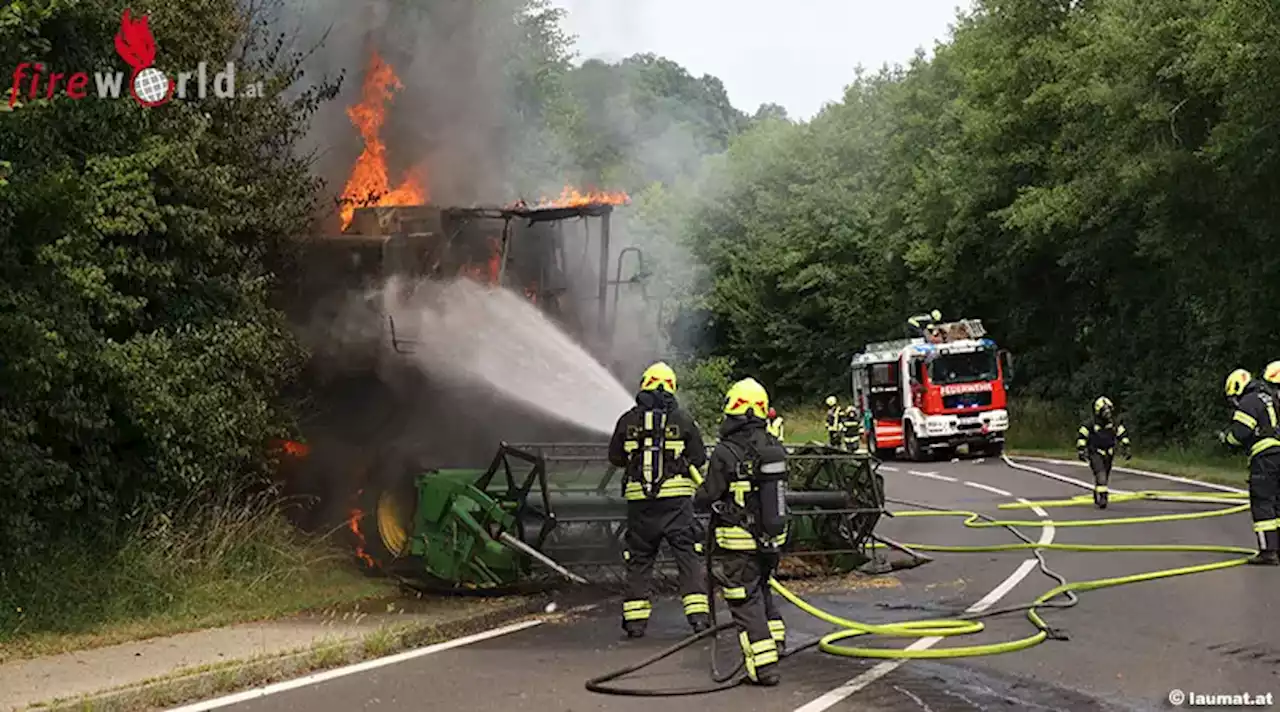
{"type": "Point", "coordinates": [139, 355]}
{"type": "Point", "coordinates": [1092, 179]}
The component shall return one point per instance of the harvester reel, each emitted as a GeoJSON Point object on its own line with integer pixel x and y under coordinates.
{"type": "Point", "coordinates": [546, 512]}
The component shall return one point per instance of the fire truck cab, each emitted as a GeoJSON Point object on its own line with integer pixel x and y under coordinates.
{"type": "Point", "coordinates": [934, 393]}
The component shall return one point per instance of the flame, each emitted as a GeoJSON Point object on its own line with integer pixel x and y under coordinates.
{"type": "Point", "coordinates": [354, 523]}
{"type": "Point", "coordinates": [571, 197]}
{"type": "Point", "coordinates": [134, 42]}
{"type": "Point", "coordinates": [293, 448]}
{"type": "Point", "coordinates": [368, 184]}
{"type": "Point", "coordinates": [489, 272]}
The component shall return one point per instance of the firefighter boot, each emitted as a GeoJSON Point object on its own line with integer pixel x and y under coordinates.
{"type": "Point", "coordinates": [699, 622]}
{"type": "Point", "coordinates": [767, 677]}
{"type": "Point", "coordinates": [634, 629]}
{"type": "Point", "coordinates": [1100, 496]}
{"type": "Point", "coordinates": [1270, 554]}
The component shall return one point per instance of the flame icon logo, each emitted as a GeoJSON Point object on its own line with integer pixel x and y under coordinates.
{"type": "Point", "coordinates": [135, 45]}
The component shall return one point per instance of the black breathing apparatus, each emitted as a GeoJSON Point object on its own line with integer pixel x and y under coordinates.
{"type": "Point", "coordinates": [766, 509]}
{"type": "Point", "coordinates": [771, 488]}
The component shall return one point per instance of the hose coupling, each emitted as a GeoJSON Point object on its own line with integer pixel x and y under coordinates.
{"type": "Point", "coordinates": [1056, 633]}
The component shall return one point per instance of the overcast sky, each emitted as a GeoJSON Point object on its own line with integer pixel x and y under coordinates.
{"type": "Point", "coordinates": [797, 53]}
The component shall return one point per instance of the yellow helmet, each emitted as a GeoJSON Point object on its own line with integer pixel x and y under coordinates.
{"type": "Point", "coordinates": [935, 315]}
{"type": "Point", "coordinates": [746, 396]}
{"type": "Point", "coordinates": [1236, 382]}
{"type": "Point", "coordinates": [658, 376]}
{"type": "Point", "coordinates": [831, 400]}
{"type": "Point", "coordinates": [1102, 403]}
{"type": "Point", "coordinates": [1272, 373]}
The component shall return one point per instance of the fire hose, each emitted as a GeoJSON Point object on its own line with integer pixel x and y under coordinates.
{"type": "Point", "coordinates": [970, 623]}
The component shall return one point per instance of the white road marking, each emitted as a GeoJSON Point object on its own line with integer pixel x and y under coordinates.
{"type": "Point", "coordinates": [879, 670]}
{"type": "Point", "coordinates": [932, 476]}
{"type": "Point", "coordinates": [1046, 529]}
{"type": "Point", "coordinates": [888, 469]}
{"type": "Point", "coordinates": [1060, 478]}
{"type": "Point", "coordinates": [989, 488]}
{"type": "Point", "coordinates": [1189, 498]}
{"type": "Point", "coordinates": [1145, 473]}
{"type": "Point", "coordinates": [352, 669]}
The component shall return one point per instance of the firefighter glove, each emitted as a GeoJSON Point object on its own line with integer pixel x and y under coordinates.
{"type": "Point", "coordinates": [769, 560]}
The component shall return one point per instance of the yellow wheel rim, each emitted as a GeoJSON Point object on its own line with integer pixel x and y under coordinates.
{"type": "Point", "coordinates": [391, 523]}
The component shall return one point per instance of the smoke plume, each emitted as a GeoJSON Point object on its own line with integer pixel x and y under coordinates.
{"type": "Point", "coordinates": [488, 367]}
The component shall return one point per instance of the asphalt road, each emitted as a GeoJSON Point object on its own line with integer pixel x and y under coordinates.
{"type": "Point", "coordinates": [1128, 647]}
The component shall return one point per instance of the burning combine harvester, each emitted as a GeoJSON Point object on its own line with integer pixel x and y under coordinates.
{"type": "Point", "coordinates": [547, 509]}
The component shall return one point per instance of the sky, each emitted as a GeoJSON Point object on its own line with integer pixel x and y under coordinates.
{"type": "Point", "coordinates": [797, 53]}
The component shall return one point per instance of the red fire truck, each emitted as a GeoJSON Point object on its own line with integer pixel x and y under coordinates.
{"type": "Point", "coordinates": [935, 393]}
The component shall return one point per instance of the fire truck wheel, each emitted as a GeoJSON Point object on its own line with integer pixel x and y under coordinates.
{"type": "Point", "coordinates": [913, 449]}
{"type": "Point", "coordinates": [994, 449]}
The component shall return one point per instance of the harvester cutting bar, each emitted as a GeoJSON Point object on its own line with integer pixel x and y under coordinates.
{"type": "Point", "coordinates": [562, 501]}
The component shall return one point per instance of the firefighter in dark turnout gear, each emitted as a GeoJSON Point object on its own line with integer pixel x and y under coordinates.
{"type": "Point", "coordinates": [1254, 426]}
{"type": "Point", "coordinates": [657, 442]}
{"type": "Point", "coordinates": [1096, 444]}
{"type": "Point", "coordinates": [835, 431]}
{"type": "Point", "coordinates": [921, 322]}
{"type": "Point", "coordinates": [746, 489]}
{"type": "Point", "coordinates": [850, 427]}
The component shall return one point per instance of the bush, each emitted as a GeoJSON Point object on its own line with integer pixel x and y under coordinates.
{"type": "Point", "coordinates": [703, 384]}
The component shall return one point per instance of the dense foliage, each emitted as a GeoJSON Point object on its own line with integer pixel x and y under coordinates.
{"type": "Point", "coordinates": [139, 357]}
{"type": "Point", "coordinates": [1096, 180]}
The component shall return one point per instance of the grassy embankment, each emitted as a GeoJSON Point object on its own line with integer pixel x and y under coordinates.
{"type": "Point", "coordinates": [1046, 430]}
{"type": "Point", "coordinates": [225, 565]}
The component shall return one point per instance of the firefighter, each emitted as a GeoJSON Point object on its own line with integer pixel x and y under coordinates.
{"type": "Point", "coordinates": [920, 322]}
{"type": "Point", "coordinates": [744, 488]}
{"type": "Point", "coordinates": [834, 429]}
{"type": "Point", "coordinates": [1254, 426]}
{"type": "Point", "coordinates": [850, 427]}
{"type": "Point", "coordinates": [776, 428]}
{"type": "Point", "coordinates": [1096, 444]}
{"type": "Point", "coordinates": [657, 442]}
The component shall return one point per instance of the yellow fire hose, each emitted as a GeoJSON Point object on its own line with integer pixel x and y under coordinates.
{"type": "Point", "coordinates": [968, 624]}
{"type": "Point", "coordinates": [952, 627]}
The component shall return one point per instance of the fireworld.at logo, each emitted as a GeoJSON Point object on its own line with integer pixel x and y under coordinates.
{"type": "Point", "coordinates": [148, 85]}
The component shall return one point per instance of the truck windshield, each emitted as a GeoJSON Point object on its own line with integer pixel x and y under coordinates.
{"type": "Point", "coordinates": [964, 368]}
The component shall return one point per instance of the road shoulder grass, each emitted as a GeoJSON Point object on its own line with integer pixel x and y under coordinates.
{"type": "Point", "coordinates": [228, 563]}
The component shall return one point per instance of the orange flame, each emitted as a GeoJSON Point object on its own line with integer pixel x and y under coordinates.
{"type": "Point", "coordinates": [293, 448]}
{"type": "Point", "coordinates": [368, 184]}
{"type": "Point", "coordinates": [488, 272]}
{"type": "Point", "coordinates": [571, 197]}
{"type": "Point", "coordinates": [354, 523]}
